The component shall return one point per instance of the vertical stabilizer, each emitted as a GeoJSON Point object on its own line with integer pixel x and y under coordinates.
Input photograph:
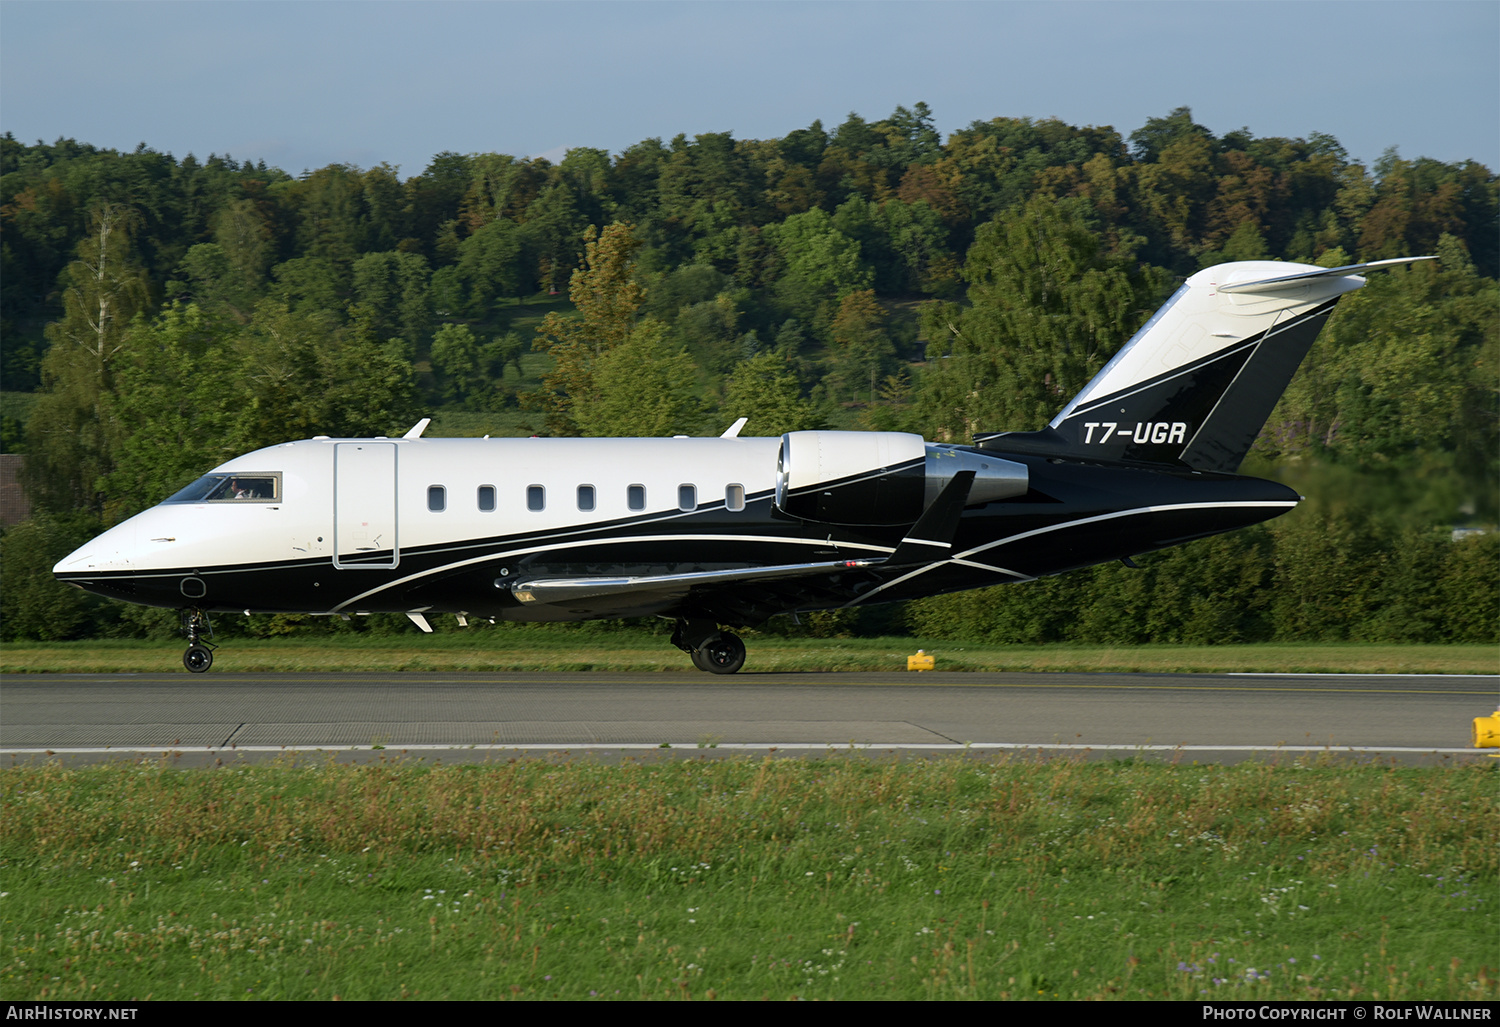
{"type": "Point", "coordinates": [1195, 385]}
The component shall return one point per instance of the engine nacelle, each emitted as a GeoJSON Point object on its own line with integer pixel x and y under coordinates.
{"type": "Point", "coordinates": [880, 478]}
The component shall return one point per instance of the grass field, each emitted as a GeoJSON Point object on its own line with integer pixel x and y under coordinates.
{"type": "Point", "coordinates": [844, 877]}
{"type": "Point", "coordinates": [627, 651]}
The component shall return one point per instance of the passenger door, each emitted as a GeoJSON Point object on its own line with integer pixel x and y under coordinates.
{"type": "Point", "coordinates": [364, 506]}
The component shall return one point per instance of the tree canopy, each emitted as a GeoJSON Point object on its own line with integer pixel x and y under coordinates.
{"type": "Point", "coordinates": [160, 314]}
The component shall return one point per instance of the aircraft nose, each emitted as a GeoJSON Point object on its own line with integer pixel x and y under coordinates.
{"type": "Point", "coordinates": [112, 551]}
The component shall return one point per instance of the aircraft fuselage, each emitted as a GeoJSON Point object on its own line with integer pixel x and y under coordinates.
{"type": "Point", "coordinates": [346, 526]}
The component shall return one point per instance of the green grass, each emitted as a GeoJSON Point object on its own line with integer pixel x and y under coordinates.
{"type": "Point", "coordinates": [521, 649]}
{"type": "Point", "coordinates": [744, 879]}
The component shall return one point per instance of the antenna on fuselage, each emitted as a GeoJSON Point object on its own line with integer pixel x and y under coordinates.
{"type": "Point", "coordinates": [418, 428]}
{"type": "Point", "coordinates": [733, 431]}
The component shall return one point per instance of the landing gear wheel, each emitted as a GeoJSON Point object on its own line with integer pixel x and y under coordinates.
{"type": "Point", "coordinates": [723, 654]}
{"type": "Point", "coordinates": [200, 653]}
{"type": "Point", "coordinates": [198, 658]}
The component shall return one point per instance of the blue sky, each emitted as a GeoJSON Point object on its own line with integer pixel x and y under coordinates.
{"type": "Point", "coordinates": [305, 84]}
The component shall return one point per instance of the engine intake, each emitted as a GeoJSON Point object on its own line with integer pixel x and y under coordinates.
{"type": "Point", "coordinates": [880, 478]}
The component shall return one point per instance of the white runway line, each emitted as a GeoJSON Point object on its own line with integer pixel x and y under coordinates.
{"type": "Point", "coordinates": [394, 747]}
{"type": "Point", "coordinates": [1346, 674]}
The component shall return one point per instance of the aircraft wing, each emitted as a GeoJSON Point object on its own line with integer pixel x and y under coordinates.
{"type": "Point", "coordinates": [567, 590]}
{"type": "Point", "coordinates": [746, 595]}
{"type": "Point", "coordinates": [756, 592]}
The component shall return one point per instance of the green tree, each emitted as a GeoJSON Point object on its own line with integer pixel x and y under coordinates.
{"type": "Point", "coordinates": [246, 239]}
{"type": "Point", "coordinates": [1403, 382]}
{"type": "Point", "coordinates": [821, 266]}
{"type": "Point", "coordinates": [313, 284]}
{"type": "Point", "coordinates": [205, 276]}
{"type": "Point", "coordinates": [392, 298]}
{"type": "Point", "coordinates": [494, 262]}
{"type": "Point", "coordinates": [765, 388]}
{"type": "Point", "coordinates": [333, 222]}
{"type": "Point", "coordinates": [69, 437]}
{"type": "Point", "coordinates": [1469, 589]}
{"type": "Point", "coordinates": [385, 206]}
{"type": "Point", "coordinates": [1049, 308]}
{"type": "Point", "coordinates": [301, 375]}
{"type": "Point", "coordinates": [1153, 138]}
{"type": "Point", "coordinates": [457, 359]}
{"type": "Point", "coordinates": [369, 388]}
{"type": "Point", "coordinates": [1174, 192]}
{"type": "Point", "coordinates": [174, 404]}
{"type": "Point", "coordinates": [642, 389]}
{"type": "Point", "coordinates": [33, 603]}
{"type": "Point", "coordinates": [608, 298]}
{"type": "Point", "coordinates": [863, 348]}
{"type": "Point", "coordinates": [554, 224]}
{"type": "Point", "coordinates": [710, 332]}
{"type": "Point", "coordinates": [668, 292]}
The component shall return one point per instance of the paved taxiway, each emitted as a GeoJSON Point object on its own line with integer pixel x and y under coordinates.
{"type": "Point", "coordinates": [478, 716]}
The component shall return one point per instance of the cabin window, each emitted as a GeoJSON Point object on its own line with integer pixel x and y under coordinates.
{"type": "Point", "coordinates": [437, 498]}
{"type": "Point", "coordinates": [256, 486]}
{"type": "Point", "coordinates": [586, 498]}
{"type": "Point", "coordinates": [635, 497]}
{"type": "Point", "coordinates": [487, 498]}
{"type": "Point", "coordinates": [536, 497]}
{"type": "Point", "coordinates": [734, 497]}
{"type": "Point", "coordinates": [687, 498]}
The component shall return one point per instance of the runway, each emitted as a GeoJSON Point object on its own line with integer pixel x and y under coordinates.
{"type": "Point", "coordinates": [470, 717]}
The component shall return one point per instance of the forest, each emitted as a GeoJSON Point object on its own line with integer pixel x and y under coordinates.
{"type": "Point", "coordinates": [160, 315]}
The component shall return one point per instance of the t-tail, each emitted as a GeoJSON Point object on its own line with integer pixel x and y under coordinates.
{"type": "Point", "coordinates": [1196, 384]}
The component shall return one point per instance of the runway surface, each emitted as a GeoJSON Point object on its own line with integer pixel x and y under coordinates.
{"type": "Point", "coordinates": [1218, 718]}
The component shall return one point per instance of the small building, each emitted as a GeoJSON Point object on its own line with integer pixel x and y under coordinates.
{"type": "Point", "coordinates": [14, 506]}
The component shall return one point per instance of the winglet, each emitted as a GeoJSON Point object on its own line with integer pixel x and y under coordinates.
{"type": "Point", "coordinates": [932, 536]}
{"type": "Point", "coordinates": [733, 431]}
{"type": "Point", "coordinates": [418, 428]}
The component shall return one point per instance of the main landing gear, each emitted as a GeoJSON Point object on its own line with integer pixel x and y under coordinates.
{"type": "Point", "coordinates": [200, 652]}
{"type": "Point", "coordinates": [718, 652]}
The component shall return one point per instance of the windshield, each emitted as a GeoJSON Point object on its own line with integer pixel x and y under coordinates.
{"type": "Point", "coordinates": [256, 486]}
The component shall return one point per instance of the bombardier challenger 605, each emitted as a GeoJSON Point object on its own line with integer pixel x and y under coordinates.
{"type": "Point", "coordinates": [725, 532]}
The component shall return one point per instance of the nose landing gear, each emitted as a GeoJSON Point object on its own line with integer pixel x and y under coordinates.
{"type": "Point", "coordinates": [200, 652]}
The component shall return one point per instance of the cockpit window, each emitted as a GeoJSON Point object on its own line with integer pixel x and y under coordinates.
{"type": "Point", "coordinates": [257, 486]}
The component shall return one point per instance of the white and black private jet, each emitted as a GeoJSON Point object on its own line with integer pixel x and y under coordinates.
{"type": "Point", "coordinates": [727, 532]}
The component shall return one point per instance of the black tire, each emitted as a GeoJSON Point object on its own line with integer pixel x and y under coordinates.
{"type": "Point", "coordinates": [722, 655]}
{"type": "Point", "coordinates": [198, 658]}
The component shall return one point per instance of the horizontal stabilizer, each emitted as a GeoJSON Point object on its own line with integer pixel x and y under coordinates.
{"type": "Point", "coordinates": [1272, 284]}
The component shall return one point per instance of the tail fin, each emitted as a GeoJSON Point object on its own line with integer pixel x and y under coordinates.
{"type": "Point", "coordinates": [1195, 385]}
